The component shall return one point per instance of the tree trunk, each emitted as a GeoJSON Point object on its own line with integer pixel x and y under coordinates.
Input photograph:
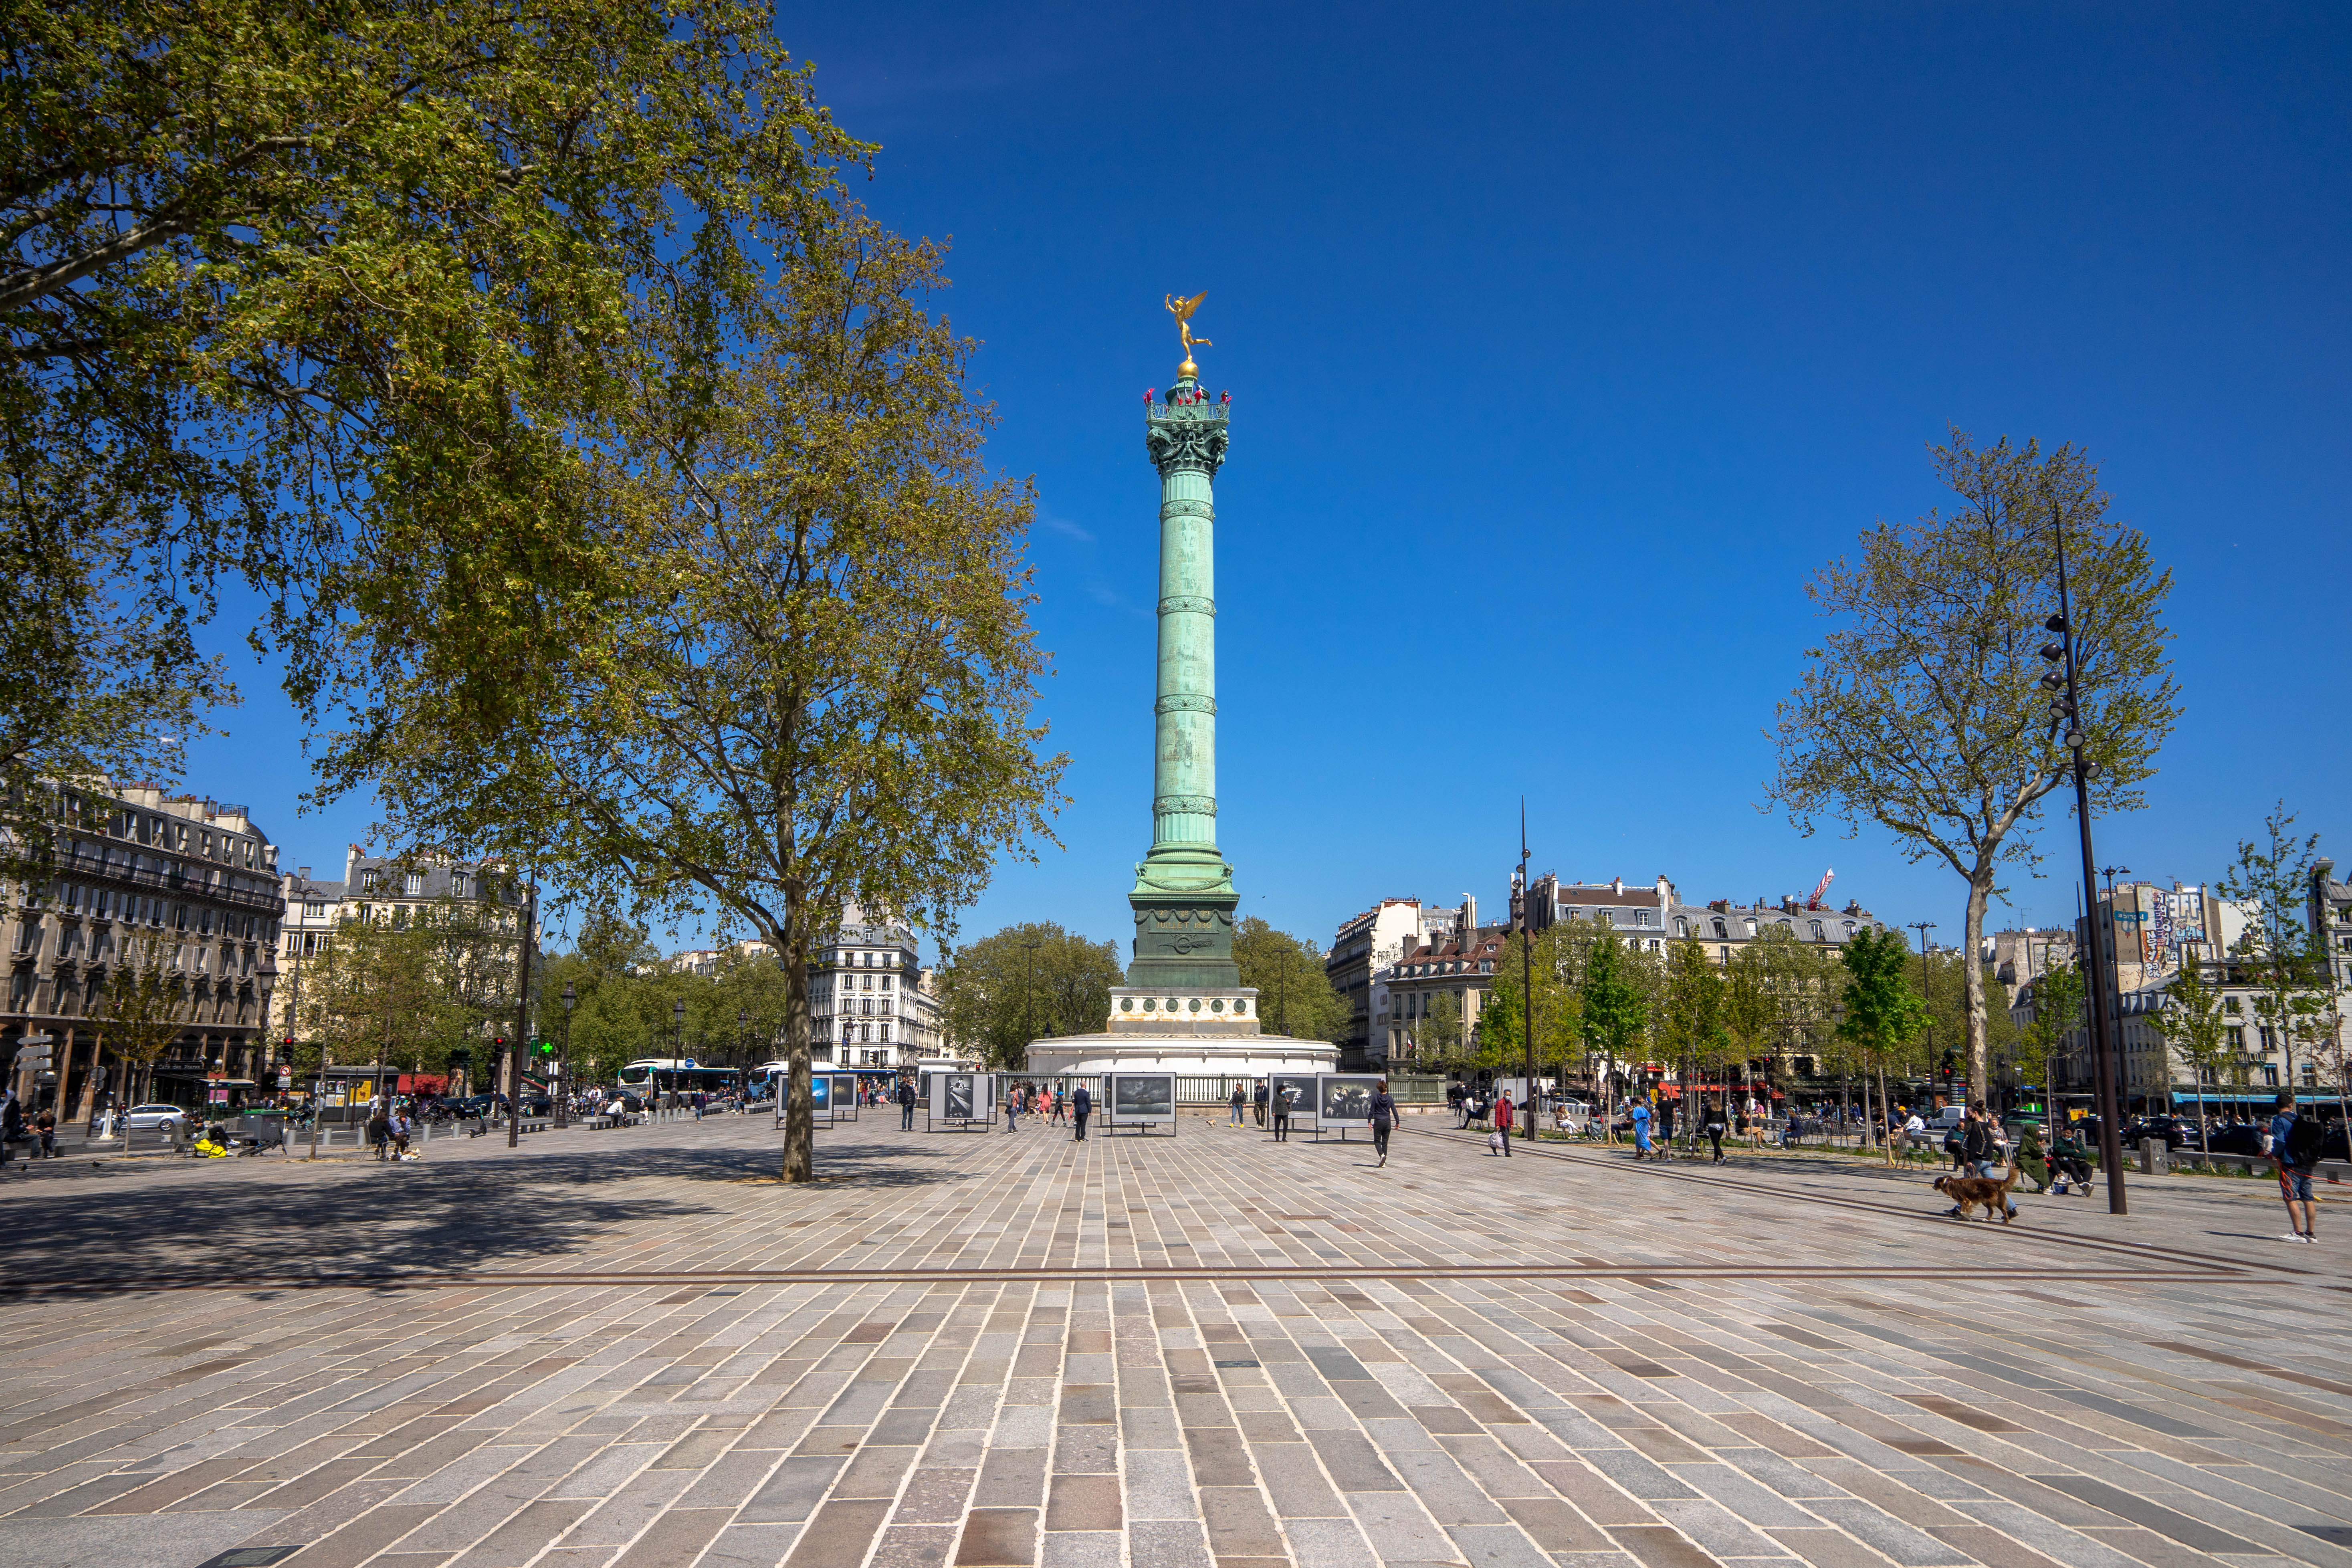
{"type": "Point", "coordinates": [65, 1073]}
{"type": "Point", "coordinates": [800, 1110]}
{"type": "Point", "coordinates": [88, 1108]}
{"type": "Point", "coordinates": [1886, 1112]}
{"type": "Point", "coordinates": [1972, 978]}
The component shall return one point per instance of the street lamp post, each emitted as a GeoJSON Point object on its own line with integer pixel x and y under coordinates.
{"type": "Point", "coordinates": [2067, 709]}
{"type": "Point", "coordinates": [522, 1014]}
{"type": "Point", "coordinates": [678, 1047]}
{"type": "Point", "coordinates": [563, 1057]}
{"type": "Point", "coordinates": [1029, 991]}
{"type": "Point", "coordinates": [1927, 980]}
{"type": "Point", "coordinates": [1524, 918]}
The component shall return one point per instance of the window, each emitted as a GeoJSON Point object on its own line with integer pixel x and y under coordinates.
{"type": "Point", "coordinates": [1849, 928]}
{"type": "Point", "coordinates": [1681, 926]}
{"type": "Point", "coordinates": [204, 845]}
{"type": "Point", "coordinates": [1750, 924]}
{"type": "Point", "coordinates": [2310, 1075]}
{"type": "Point", "coordinates": [1721, 929]}
{"type": "Point", "coordinates": [314, 911]}
{"type": "Point", "coordinates": [461, 886]}
{"type": "Point", "coordinates": [1817, 932]}
{"type": "Point", "coordinates": [400, 917]}
{"type": "Point", "coordinates": [2270, 1075]}
{"type": "Point", "coordinates": [2237, 1038]}
{"type": "Point", "coordinates": [412, 885]}
{"type": "Point", "coordinates": [1646, 917]}
{"type": "Point", "coordinates": [369, 879]}
{"type": "Point", "coordinates": [2228, 1004]}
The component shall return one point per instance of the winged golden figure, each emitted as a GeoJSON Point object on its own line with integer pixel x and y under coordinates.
{"type": "Point", "coordinates": [1182, 310]}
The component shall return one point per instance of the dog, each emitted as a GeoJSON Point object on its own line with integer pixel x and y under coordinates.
{"type": "Point", "coordinates": [1973, 1191]}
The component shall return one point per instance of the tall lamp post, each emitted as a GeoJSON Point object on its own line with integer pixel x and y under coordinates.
{"type": "Point", "coordinates": [678, 1049]}
{"type": "Point", "coordinates": [1029, 991]}
{"type": "Point", "coordinates": [1926, 979]}
{"type": "Point", "coordinates": [1523, 918]}
{"type": "Point", "coordinates": [2067, 711]}
{"type": "Point", "coordinates": [564, 1057]}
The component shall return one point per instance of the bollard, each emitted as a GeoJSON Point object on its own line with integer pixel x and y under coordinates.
{"type": "Point", "coordinates": [2154, 1157]}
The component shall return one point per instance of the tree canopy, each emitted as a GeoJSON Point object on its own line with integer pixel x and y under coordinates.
{"type": "Point", "coordinates": [1294, 997]}
{"type": "Point", "coordinates": [1921, 710]}
{"type": "Point", "coordinates": [1017, 984]}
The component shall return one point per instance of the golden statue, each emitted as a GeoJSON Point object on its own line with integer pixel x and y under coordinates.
{"type": "Point", "coordinates": [1182, 310]}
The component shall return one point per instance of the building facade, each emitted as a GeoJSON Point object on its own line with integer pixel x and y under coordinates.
{"type": "Point", "coordinates": [1361, 955]}
{"type": "Point", "coordinates": [395, 891]}
{"type": "Point", "coordinates": [186, 883]}
{"type": "Point", "coordinates": [871, 1003]}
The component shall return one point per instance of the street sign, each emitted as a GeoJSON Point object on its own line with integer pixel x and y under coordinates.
{"type": "Point", "coordinates": [37, 1040]}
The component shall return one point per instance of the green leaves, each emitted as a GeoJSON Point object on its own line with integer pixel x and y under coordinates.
{"type": "Point", "coordinates": [1922, 713]}
{"type": "Point", "coordinates": [1015, 983]}
{"type": "Point", "coordinates": [1294, 995]}
{"type": "Point", "coordinates": [1883, 1012]}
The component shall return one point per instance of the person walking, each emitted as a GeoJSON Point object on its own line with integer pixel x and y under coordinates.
{"type": "Point", "coordinates": [1012, 1106]}
{"type": "Point", "coordinates": [1057, 1105]}
{"type": "Point", "coordinates": [1239, 1099]}
{"type": "Point", "coordinates": [2294, 1141]}
{"type": "Point", "coordinates": [1641, 1130]}
{"type": "Point", "coordinates": [906, 1098]}
{"type": "Point", "coordinates": [1282, 1102]}
{"type": "Point", "coordinates": [1081, 1103]}
{"type": "Point", "coordinates": [380, 1131]}
{"type": "Point", "coordinates": [1503, 1114]}
{"type": "Point", "coordinates": [1384, 1118]}
{"type": "Point", "coordinates": [1258, 1099]}
{"type": "Point", "coordinates": [1713, 1130]}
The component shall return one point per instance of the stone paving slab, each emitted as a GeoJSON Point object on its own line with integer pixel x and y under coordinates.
{"type": "Point", "coordinates": [638, 1349]}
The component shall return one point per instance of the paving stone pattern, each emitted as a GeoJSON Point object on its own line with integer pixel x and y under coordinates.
{"type": "Point", "coordinates": [1012, 1349]}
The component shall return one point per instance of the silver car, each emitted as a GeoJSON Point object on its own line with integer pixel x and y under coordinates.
{"type": "Point", "coordinates": [173, 1119]}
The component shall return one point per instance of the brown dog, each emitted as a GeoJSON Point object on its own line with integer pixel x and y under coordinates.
{"type": "Point", "coordinates": [1973, 1191]}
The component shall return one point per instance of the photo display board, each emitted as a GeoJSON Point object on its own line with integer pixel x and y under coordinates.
{"type": "Point", "coordinates": [820, 1096]}
{"type": "Point", "coordinates": [845, 1096]}
{"type": "Point", "coordinates": [1343, 1100]}
{"type": "Point", "coordinates": [1299, 1088]}
{"type": "Point", "coordinates": [1141, 1100]}
{"type": "Point", "coordinates": [961, 1099]}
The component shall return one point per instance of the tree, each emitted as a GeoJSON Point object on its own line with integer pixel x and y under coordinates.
{"type": "Point", "coordinates": [143, 1009]}
{"type": "Point", "coordinates": [1000, 992]}
{"type": "Point", "coordinates": [1294, 997]}
{"type": "Point", "coordinates": [2057, 1000]}
{"type": "Point", "coordinates": [617, 994]}
{"type": "Point", "coordinates": [1504, 1039]}
{"type": "Point", "coordinates": [373, 994]}
{"type": "Point", "coordinates": [342, 302]}
{"type": "Point", "coordinates": [1883, 1013]}
{"type": "Point", "coordinates": [2280, 954]}
{"type": "Point", "coordinates": [815, 687]}
{"type": "Point", "coordinates": [1921, 712]}
{"type": "Point", "coordinates": [1614, 1009]}
{"type": "Point", "coordinates": [1439, 1035]}
{"type": "Point", "coordinates": [2193, 1024]}
{"type": "Point", "coordinates": [1690, 1028]}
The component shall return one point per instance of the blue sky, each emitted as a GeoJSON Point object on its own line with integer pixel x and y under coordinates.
{"type": "Point", "coordinates": [1565, 342]}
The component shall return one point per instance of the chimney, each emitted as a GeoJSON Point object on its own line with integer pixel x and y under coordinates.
{"type": "Point", "coordinates": [1469, 918]}
{"type": "Point", "coordinates": [1617, 885]}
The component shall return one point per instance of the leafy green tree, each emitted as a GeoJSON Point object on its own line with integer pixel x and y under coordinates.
{"type": "Point", "coordinates": [815, 687]}
{"type": "Point", "coordinates": [1294, 997]}
{"type": "Point", "coordinates": [613, 971]}
{"type": "Point", "coordinates": [1438, 1036]}
{"type": "Point", "coordinates": [2057, 1003]}
{"type": "Point", "coordinates": [142, 1011]}
{"type": "Point", "coordinates": [2279, 955]}
{"type": "Point", "coordinates": [1921, 710]}
{"type": "Point", "coordinates": [1613, 1013]}
{"type": "Point", "coordinates": [1883, 1012]}
{"type": "Point", "coordinates": [344, 302]}
{"type": "Point", "coordinates": [1022, 981]}
{"type": "Point", "coordinates": [2193, 1024]}
{"type": "Point", "coordinates": [1555, 955]}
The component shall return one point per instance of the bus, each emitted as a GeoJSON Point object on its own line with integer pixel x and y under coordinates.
{"type": "Point", "coordinates": [675, 1075]}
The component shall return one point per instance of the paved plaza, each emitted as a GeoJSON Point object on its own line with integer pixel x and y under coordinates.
{"type": "Point", "coordinates": [636, 1349]}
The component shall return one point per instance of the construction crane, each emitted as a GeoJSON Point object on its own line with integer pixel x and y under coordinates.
{"type": "Point", "coordinates": [1815, 901]}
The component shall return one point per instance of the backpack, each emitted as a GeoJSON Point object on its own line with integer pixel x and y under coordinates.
{"type": "Point", "coordinates": [2302, 1141]}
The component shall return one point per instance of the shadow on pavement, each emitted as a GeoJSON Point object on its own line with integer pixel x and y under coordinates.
{"type": "Point", "coordinates": [443, 1216]}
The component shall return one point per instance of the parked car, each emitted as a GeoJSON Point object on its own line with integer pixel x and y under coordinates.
{"type": "Point", "coordinates": [153, 1118]}
{"type": "Point", "coordinates": [2235, 1138]}
{"type": "Point", "coordinates": [2176, 1133]}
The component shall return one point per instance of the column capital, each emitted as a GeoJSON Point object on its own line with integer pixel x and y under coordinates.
{"type": "Point", "coordinates": [1186, 437]}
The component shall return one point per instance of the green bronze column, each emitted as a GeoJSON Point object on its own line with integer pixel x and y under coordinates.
{"type": "Point", "coordinates": [1183, 899]}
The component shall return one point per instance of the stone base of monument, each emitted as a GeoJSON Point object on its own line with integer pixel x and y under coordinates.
{"type": "Point", "coordinates": [1195, 1032]}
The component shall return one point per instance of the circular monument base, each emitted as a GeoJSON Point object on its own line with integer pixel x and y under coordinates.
{"type": "Point", "coordinates": [1188, 1056]}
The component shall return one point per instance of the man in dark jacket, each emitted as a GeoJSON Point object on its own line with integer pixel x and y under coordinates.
{"type": "Point", "coordinates": [906, 1099]}
{"type": "Point", "coordinates": [1384, 1118]}
{"type": "Point", "coordinates": [1081, 1104]}
{"type": "Point", "coordinates": [1258, 1100]}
